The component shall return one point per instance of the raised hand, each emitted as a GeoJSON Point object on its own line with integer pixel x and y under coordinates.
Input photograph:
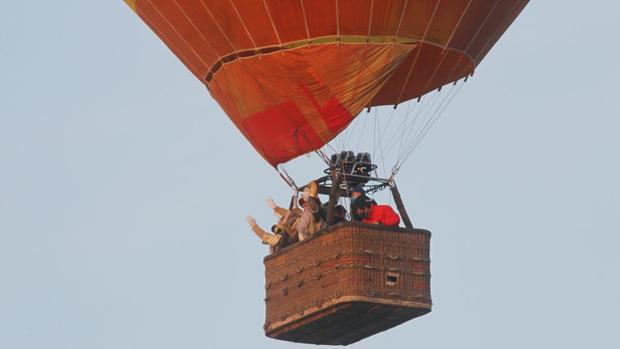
{"type": "Point", "coordinates": [271, 204]}
{"type": "Point", "coordinates": [251, 221]}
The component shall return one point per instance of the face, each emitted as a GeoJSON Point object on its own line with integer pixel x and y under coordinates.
{"type": "Point", "coordinates": [356, 194]}
{"type": "Point", "coordinates": [361, 213]}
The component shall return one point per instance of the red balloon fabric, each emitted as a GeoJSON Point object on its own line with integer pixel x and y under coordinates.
{"type": "Point", "coordinates": [292, 74]}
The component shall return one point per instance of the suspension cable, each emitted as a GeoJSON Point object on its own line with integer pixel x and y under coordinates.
{"type": "Point", "coordinates": [287, 178]}
{"type": "Point", "coordinates": [415, 141]}
{"type": "Point", "coordinates": [323, 156]}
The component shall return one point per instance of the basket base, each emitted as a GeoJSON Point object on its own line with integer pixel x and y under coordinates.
{"type": "Point", "coordinates": [346, 323]}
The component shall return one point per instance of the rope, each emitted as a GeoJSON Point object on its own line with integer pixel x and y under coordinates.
{"type": "Point", "coordinates": [425, 129]}
{"type": "Point", "coordinates": [363, 132]}
{"type": "Point", "coordinates": [287, 178]}
{"type": "Point", "coordinates": [323, 156]}
{"type": "Point", "coordinates": [380, 145]}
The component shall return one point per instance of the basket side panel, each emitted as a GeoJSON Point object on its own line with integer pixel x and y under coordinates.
{"type": "Point", "coordinates": [372, 262]}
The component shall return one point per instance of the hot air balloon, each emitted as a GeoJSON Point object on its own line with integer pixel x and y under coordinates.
{"type": "Point", "coordinates": [292, 75]}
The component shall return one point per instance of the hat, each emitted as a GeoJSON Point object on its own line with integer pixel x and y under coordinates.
{"type": "Point", "coordinates": [359, 189]}
{"type": "Point", "coordinates": [314, 189]}
{"type": "Point", "coordinates": [277, 229]}
{"type": "Point", "coordinates": [311, 190]}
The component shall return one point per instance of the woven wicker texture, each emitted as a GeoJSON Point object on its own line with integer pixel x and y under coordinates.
{"type": "Point", "coordinates": [351, 281]}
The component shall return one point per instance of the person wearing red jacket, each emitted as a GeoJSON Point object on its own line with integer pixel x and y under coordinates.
{"type": "Point", "coordinates": [375, 214]}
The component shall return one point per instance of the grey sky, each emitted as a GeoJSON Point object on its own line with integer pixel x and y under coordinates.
{"type": "Point", "coordinates": [123, 191]}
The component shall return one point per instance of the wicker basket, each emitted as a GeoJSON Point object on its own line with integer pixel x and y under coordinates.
{"type": "Point", "coordinates": [347, 283]}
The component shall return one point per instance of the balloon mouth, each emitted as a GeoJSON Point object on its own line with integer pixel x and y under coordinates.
{"type": "Point", "coordinates": [326, 40]}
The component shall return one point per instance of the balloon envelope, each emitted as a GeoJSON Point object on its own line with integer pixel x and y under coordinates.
{"type": "Point", "coordinates": [292, 74]}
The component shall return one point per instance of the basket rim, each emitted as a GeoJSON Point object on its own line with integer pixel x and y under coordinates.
{"type": "Point", "coordinates": [373, 227]}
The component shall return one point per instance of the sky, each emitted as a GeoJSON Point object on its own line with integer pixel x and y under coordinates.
{"type": "Point", "coordinates": [124, 190]}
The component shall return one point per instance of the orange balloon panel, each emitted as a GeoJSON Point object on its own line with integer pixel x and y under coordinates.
{"type": "Point", "coordinates": [292, 74]}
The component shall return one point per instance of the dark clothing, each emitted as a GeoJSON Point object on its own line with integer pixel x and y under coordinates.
{"type": "Point", "coordinates": [339, 219]}
{"type": "Point", "coordinates": [362, 199]}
